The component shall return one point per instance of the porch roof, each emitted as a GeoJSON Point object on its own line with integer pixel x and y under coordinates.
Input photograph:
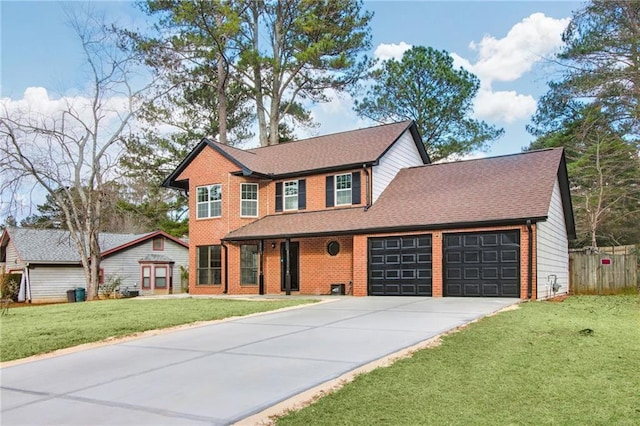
{"type": "Point", "coordinates": [484, 192]}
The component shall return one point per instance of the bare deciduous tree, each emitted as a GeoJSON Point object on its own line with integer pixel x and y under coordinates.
{"type": "Point", "coordinates": [71, 152]}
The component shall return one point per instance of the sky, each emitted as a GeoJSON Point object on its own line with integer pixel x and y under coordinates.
{"type": "Point", "coordinates": [507, 44]}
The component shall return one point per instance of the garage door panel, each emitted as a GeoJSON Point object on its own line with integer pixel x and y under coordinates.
{"type": "Point", "coordinates": [482, 264]}
{"type": "Point", "coordinates": [400, 266]}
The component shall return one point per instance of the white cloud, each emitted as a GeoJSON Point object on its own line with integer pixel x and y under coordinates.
{"type": "Point", "coordinates": [505, 106]}
{"type": "Point", "coordinates": [506, 60]}
{"type": "Point", "coordinates": [391, 51]}
{"type": "Point", "coordinates": [528, 42]}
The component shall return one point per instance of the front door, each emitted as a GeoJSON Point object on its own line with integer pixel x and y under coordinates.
{"type": "Point", "coordinates": [294, 262]}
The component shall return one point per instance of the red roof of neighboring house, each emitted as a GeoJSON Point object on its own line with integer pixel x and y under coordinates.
{"type": "Point", "coordinates": [336, 151]}
{"type": "Point", "coordinates": [498, 190]}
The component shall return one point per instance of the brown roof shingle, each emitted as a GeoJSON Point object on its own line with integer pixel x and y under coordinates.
{"type": "Point", "coordinates": [354, 147]}
{"type": "Point", "coordinates": [505, 189]}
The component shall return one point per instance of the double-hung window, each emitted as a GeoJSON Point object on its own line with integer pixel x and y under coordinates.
{"type": "Point", "coordinates": [343, 189]}
{"type": "Point", "coordinates": [248, 264]}
{"type": "Point", "coordinates": [209, 265]}
{"type": "Point", "coordinates": [291, 195]}
{"type": "Point", "coordinates": [209, 201]}
{"type": "Point", "coordinates": [249, 199]}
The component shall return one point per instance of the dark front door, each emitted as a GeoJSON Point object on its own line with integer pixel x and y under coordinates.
{"type": "Point", "coordinates": [294, 262]}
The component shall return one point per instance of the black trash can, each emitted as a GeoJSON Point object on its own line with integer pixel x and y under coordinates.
{"type": "Point", "coordinates": [80, 293]}
{"type": "Point", "coordinates": [71, 296]}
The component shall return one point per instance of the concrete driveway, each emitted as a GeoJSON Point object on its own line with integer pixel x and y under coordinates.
{"type": "Point", "coordinates": [222, 373]}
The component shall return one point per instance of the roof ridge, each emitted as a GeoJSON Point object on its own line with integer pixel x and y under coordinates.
{"type": "Point", "coordinates": [252, 150]}
{"type": "Point", "coordinates": [494, 157]}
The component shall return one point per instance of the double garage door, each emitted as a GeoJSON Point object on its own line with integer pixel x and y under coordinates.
{"type": "Point", "coordinates": [474, 264]}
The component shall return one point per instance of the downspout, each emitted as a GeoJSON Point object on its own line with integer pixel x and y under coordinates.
{"type": "Point", "coordinates": [530, 261]}
{"type": "Point", "coordinates": [367, 191]}
{"type": "Point", "coordinates": [226, 267]}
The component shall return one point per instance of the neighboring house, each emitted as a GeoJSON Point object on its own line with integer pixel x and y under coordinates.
{"type": "Point", "coordinates": [365, 211]}
{"type": "Point", "coordinates": [150, 262]}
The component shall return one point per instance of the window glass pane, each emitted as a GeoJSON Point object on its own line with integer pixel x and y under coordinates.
{"type": "Point", "coordinates": [203, 194]}
{"type": "Point", "coordinates": [209, 265]}
{"type": "Point", "coordinates": [343, 189]}
{"type": "Point", "coordinates": [291, 195]}
{"type": "Point", "coordinates": [343, 197]}
{"type": "Point", "coordinates": [249, 199]}
{"type": "Point", "coordinates": [161, 277]}
{"type": "Point", "coordinates": [249, 264]}
{"type": "Point", "coordinates": [208, 201]}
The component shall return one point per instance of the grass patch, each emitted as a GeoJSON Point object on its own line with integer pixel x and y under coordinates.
{"type": "Point", "coordinates": [574, 362]}
{"type": "Point", "coordinates": [39, 329]}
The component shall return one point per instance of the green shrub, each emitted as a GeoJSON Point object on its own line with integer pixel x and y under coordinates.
{"type": "Point", "coordinates": [10, 286]}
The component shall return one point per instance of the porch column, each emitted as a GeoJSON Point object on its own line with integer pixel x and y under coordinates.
{"type": "Point", "coordinates": [287, 263]}
{"type": "Point", "coordinates": [261, 270]}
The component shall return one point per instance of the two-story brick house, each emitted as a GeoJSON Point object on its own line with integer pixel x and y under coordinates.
{"type": "Point", "coordinates": [365, 211]}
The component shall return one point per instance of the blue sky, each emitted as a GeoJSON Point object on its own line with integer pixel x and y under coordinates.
{"type": "Point", "coordinates": [503, 42]}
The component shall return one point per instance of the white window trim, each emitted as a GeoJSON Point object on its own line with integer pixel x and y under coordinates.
{"type": "Point", "coordinates": [208, 202]}
{"type": "Point", "coordinates": [335, 189]}
{"type": "Point", "coordinates": [284, 195]}
{"type": "Point", "coordinates": [256, 200]}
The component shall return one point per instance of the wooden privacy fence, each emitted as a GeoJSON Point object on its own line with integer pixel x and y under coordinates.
{"type": "Point", "coordinates": [602, 273]}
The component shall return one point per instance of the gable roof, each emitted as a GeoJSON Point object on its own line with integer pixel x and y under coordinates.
{"type": "Point", "coordinates": [56, 245]}
{"type": "Point", "coordinates": [484, 192]}
{"type": "Point", "coordinates": [338, 151]}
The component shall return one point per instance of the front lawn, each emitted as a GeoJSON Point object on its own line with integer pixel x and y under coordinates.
{"type": "Point", "coordinates": [32, 330]}
{"type": "Point", "coordinates": [570, 363]}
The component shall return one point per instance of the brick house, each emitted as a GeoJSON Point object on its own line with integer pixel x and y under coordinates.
{"type": "Point", "coordinates": [363, 211]}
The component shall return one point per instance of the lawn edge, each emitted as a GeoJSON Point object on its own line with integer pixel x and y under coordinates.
{"type": "Point", "coordinates": [270, 415]}
{"type": "Point", "coordinates": [148, 333]}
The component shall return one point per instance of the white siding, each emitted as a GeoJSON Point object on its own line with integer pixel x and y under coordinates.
{"type": "Point", "coordinates": [125, 263]}
{"type": "Point", "coordinates": [403, 153]}
{"type": "Point", "coordinates": [50, 283]}
{"type": "Point", "coordinates": [13, 262]}
{"type": "Point", "coordinates": [553, 248]}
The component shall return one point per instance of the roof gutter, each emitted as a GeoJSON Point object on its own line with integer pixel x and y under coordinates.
{"type": "Point", "coordinates": [386, 230]}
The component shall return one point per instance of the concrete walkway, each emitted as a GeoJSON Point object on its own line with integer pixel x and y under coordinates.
{"type": "Point", "coordinates": [222, 373]}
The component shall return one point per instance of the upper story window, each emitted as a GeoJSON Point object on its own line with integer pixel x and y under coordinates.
{"type": "Point", "coordinates": [343, 189]}
{"type": "Point", "coordinates": [158, 244]}
{"type": "Point", "coordinates": [291, 195]}
{"type": "Point", "coordinates": [209, 201]}
{"type": "Point", "coordinates": [249, 199]}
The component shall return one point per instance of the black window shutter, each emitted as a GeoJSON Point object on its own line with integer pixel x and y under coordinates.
{"type": "Point", "coordinates": [302, 194]}
{"type": "Point", "coordinates": [278, 196]}
{"type": "Point", "coordinates": [355, 188]}
{"type": "Point", "coordinates": [329, 191]}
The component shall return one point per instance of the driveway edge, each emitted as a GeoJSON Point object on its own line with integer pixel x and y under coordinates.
{"type": "Point", "coordinates": [268, 416]}
{"type": "Point", "coordinates": [155, 332]}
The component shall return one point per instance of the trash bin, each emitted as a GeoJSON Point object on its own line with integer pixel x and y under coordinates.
{"type": "Point", "coordinates": [80, 294]}
{"type": "Point", "coordinates": [71, 296]}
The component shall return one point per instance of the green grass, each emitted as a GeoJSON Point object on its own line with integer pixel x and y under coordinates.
{"type": "Point", "coordinates": [537, 365]}
{"type": "Point", "coordinates": [32, 330]}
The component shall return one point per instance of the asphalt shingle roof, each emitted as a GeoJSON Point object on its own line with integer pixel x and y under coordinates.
{"type": "Point", "coordinates": [330, 152]}
{"type": "Point", "coordinates": [56, 245]}
{"type": "Point", "coordinates": [499, 189]}
{"type": "Point", "coordinates": [345, 148]}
